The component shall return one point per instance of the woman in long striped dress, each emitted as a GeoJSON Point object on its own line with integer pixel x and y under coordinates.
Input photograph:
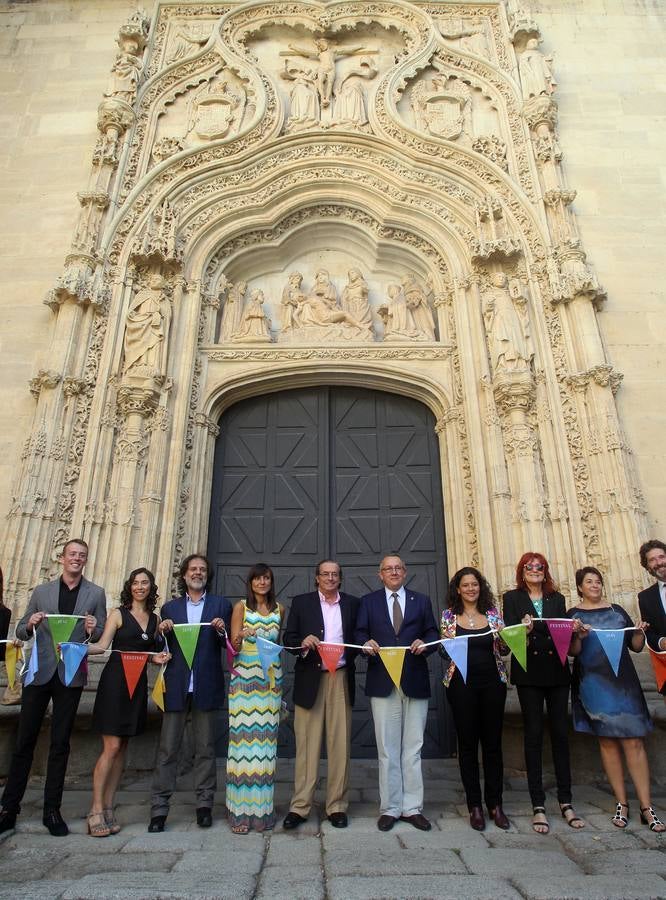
{"type": "Point", "coordinates": [254, 707]}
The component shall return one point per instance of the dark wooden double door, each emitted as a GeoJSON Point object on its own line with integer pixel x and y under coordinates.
{"type": "Point", "coordinates": [331, 472]}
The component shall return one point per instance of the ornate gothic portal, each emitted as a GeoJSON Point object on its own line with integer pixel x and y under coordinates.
{"type": "Point", "coordinates": [351, 193]}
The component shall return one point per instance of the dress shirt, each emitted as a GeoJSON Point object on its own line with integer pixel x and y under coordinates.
{"type": "Point", "coordinates": [67, 598]}
{"type": "Point", "coordinates": [194, 614]}
{"type": "Point", "coordinates": [662, 593]}
{"type": "Point", "coordinates": [401, 600]}
{"type": "Point", "coordinates": [332, 616]}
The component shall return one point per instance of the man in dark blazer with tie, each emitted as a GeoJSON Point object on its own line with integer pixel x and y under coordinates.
{"type": "Point", "coordinates": [73, 595]}
{"type": "Point", "coordinates": [196, 693]}
{"type": "Point", "coordinates": [397, 617]}
{"type": "Point", "coordinates": [321, 698]}
{"type": "Point", "coordinates": [652, 601]}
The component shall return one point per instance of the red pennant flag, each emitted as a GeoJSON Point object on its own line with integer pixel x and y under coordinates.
{"type": "Point", "coordinates": [561, 635]}
{"type": "Point", "coordinates": [330, 655]}
{"type": "Point", "coordinates": [133, 666]}
{"type": "Point", "coordinates": [659, 666]}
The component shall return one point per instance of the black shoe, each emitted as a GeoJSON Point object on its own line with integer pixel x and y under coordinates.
{"type": "Point", "coordinates": [204, 817]}
{"type": "Point", "coordinates": [7, 820]}
{"type": "Point", "coordinates": [386, 823]}
{"type": "Point", "coordinates": [157, 824]}
{"type": "Point", "coordinates": [418, 820]}
{"type": "Point", "coordinates": [55, 823]}
{"type": "Point", "coordinates": [338, 820]}
{"type": "Point", "coordinates": [292, 820]}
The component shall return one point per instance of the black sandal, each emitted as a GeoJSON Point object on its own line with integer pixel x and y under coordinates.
{"type": "Point", "coordinates": [654, 822]}
{"type": "Point", "coordinates": [618, 819]}
{"type": "Point", "coordinates": [571, 820]}
{"type": "Point", "coordinates": [540, 811]}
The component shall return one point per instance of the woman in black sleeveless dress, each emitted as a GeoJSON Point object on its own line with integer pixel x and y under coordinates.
{"type": "Point", "coordinates": [117, 716]}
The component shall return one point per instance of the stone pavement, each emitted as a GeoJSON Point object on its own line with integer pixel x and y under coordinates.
{"type": "Point", "coordinates": [319, 861]}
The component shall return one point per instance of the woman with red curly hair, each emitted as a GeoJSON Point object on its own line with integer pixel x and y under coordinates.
{"type": "Point", "coordinates": [545, 681]}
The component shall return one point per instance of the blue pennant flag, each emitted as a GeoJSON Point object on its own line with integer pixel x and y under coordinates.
{"type": "Point", "coordinates": [72, 654]}
{"type": "Point", "coordinates": [268, 653]}
{"type": "Point", "coordinates": [612, 642]}
{"type": "Point", "coordinates": [457, 650]}
{"type": "Point", "coordinates": [33, 665]}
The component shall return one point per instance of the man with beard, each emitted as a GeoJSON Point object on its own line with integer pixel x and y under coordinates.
{"type": "Point", "coordinates": [652, 601]}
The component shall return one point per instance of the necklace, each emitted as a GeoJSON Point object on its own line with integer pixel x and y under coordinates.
{"type": "Point", "coordinates": [144, 634]}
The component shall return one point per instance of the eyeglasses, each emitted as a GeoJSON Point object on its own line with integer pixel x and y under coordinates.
{"type": "Point", "coordinates": [392, 569]}
{"type": "Point", "coordinates": [533, 567]}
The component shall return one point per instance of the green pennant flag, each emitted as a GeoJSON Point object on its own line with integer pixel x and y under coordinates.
{"type": "Point", "coordinates": [61, 628]}
{"type": "Point", "coordinates": [187, 636]}
{"type": "Point", "coordinates": [515, 637]}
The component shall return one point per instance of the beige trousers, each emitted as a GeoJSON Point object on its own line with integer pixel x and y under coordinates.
{"type": "Point", "coordinates": [332, 711]}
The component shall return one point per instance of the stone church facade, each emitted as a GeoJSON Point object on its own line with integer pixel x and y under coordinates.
{"type": "Point", "coordinates": [282, 196]}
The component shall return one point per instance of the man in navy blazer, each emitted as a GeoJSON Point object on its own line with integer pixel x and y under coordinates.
{"type": "Point", "coordinates": [197, 692]}
{"type": "Point", "coordinates": [322, 699]}
{"type": "Point", "coordinates": [652, 601]}
{"type": "Point", "coordinates": [396, 617]}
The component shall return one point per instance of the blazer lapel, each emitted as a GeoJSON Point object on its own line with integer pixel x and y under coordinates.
{"type": "Point", "coordinates": [53, 596]}
{"type": "Point", "coordinates": [82, 606]}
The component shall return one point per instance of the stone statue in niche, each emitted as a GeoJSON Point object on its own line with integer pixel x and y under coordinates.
{"type": "Point", "coordinates": [315, 316]}
{"type": "Point", "coordinates": [187, 41]}
{"type": "Point", "coordinates": [256, 326]}
{"type": "Point", "coordinates": [443, 107]}
{"type": "Point", "coordinates": [125, 71]}
{"type": "Point", "coordinates": [215, 113]}
{"type": "Point", "coordinates": [536, 76]}
{"type": "Point", "coordinates": [507, 325]}
{"type": "Point", "coordinates": [147, 330]}
{"type": "Point", "coordinates": [397, 317]}
{"type": "Point", "coordinates": [292, 297]}
{"type": "Point", "coordinates": [350, 100]}
{"type": "Point", "coordinates": [355, 300]}
{"type": "Point", "coordinates": [232, 311]}
{"type": "Point", "coordinates": [324, 71]}
{"type": "Point", "coordinates": [470, 39]}
{"type": "Point", "coordinates": [417, 304]}
{"type": "Point", "coordinates": [304, 101]}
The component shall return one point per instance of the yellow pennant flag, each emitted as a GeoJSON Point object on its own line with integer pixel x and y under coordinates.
{"type": "Point", "coordinates": [393, 659]}
{"type": "Point", "coordinates": [158, 690]}
{"type": "Point", "coordinates": [12, 654]}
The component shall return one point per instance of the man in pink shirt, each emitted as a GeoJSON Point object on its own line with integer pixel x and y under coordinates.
{"type": "Point", "coordinates": [322, 698]}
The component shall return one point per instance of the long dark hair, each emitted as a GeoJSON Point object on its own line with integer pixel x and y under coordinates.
{"type": "Point", "coordinates": [182, 587]}
{"type": "Point", "coordinates": [2, 588]}
{"type": "Point", "coordinates": [126, 593]}
{"type": "Point", "coordinates": [454, 601]}
{"type": "Point", "coordinates": [250, 600]}
{"type": "Point", "coordinates": [547, 585]}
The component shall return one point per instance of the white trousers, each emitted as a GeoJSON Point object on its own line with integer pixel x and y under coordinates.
{"type": "Point", "coordinates": [399, 725]}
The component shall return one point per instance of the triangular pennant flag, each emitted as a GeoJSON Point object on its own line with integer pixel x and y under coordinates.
{"type": "Point", "coordinates": [187, 636]}
{"type": "Point", "coordinates": [133, 666]}
{"type": "Point", "coordinates": [61, 628]}
{"type": "Point", "coordinates": [393, 659]}
{"type": "Point", "coordinates": [231, 652]}
{"type": "Point", "coordinates": [515, 637]}
{"type": "Point", "coordinates": [159, 688]}
{"type": "Point", "coordinates": [33, 664]}
{"type": "Point", "coordinates": [612, 642]}
{"type": "Point", "coordinates": [457, 650]}
{"type": "Point", "coordinates": [268, 653]}
{"type": "Point", "coordinates": [12, 654]}
{"type": "Point", "coordinates": [659, 666]}
{"type": "Point", "coordinates": [330, 655]}
{"type": "Point", "coordinates": [561, 635]}
{"type": "Point", "coordinates": [72, 654]}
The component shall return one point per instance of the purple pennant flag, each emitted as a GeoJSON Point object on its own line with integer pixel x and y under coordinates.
{"type": "Point", "coordinates": [612, 642]}
{"type": "Point", "coordinates": [230, 657]}
{"type": "Point", "coordinates": [268, 653]}
{"type": "Point", "coordinates": [72, 655]}
{"type": "Point", "coordinates": [457, 650]}
{"type": "Point", "coordinates": [33, 665]}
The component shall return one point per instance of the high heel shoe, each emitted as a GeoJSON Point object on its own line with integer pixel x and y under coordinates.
{"type": "Point", "coordinates": [619, 820]}
{"type": "Point", "coordinates": [110, 819]}
{"type": "Point", "coordinates": [97, 826]}
{"type": "Point", "coordinates": [652, 820]}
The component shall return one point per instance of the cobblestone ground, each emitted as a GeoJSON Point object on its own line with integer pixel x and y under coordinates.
{"type": "Point", "coordinates": [319, 861]}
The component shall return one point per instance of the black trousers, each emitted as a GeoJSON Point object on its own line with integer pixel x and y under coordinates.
{"type": "Point", "coordinates": [556, 698]}
{"type": "Point", "coordinates": [478, 713]}
{"type": "Point", "coordinates": [33, 708]}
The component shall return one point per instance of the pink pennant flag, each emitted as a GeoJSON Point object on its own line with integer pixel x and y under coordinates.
{"type": "Point", "coordinates": [561, 635]}
{"type": "Point", "coordinates": [230, 657]}
{"type": "Point", "coordinates": [330, 655]}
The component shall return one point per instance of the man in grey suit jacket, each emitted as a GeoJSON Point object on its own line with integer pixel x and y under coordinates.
{"type": "Point", "coordinates": [70, 594]}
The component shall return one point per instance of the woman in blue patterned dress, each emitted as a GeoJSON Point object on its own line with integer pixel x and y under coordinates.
{"type": "Point", "coordinates": [254, 707]}
{"type": "Point", "coordinates": [609, 706]}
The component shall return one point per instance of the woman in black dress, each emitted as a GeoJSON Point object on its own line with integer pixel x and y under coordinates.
{"type": "Point", "coordinates": [546, 681]}
{"type": "Point", "coordinates": [131, 627]}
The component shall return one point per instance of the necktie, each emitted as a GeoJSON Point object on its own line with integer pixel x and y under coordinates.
{"type": "Point", "coordinates": [397, 614]}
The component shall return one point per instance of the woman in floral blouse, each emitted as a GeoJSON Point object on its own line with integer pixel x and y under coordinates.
{"type": "Point", "coordinates": [477, 701]}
